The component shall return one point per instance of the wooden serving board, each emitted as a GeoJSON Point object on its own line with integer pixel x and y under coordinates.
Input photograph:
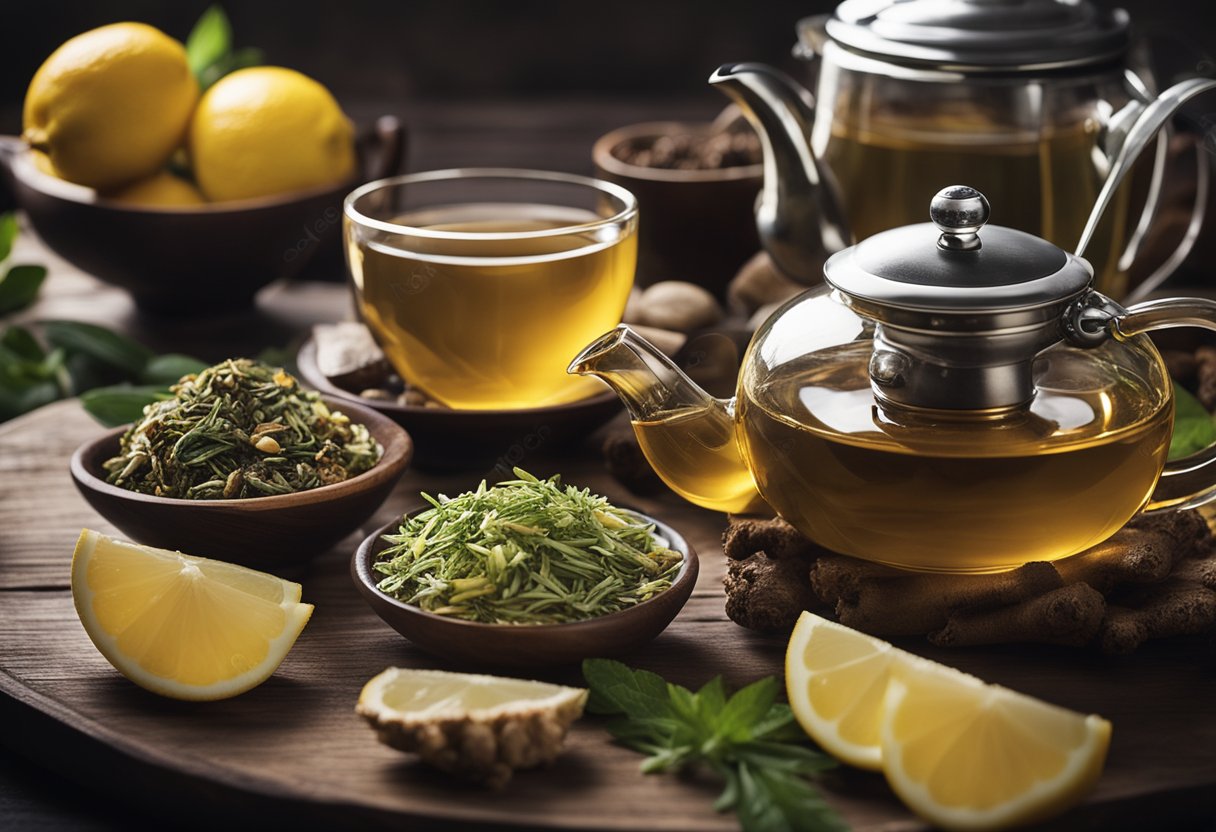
{"type": "Point", "coordinates": [292, 750]}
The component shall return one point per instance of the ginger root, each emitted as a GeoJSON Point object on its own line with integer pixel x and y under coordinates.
{"type": "Point", "coordinates": [767, 594]}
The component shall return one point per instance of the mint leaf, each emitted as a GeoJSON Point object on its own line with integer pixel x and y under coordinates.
{"type": "Point", "coordinates": [209, 41]}
{"type": "Point", "coordinates": [744, 710]}
{"type": "Point", "coordinates": [616, 688]}
{"type": "Point", "coordinates": [97, 342]}
{"type": "Point", "coordinates": [1194, 428]}
{"type": "Point", "coordinates": [19, 287]}
{"type": "Point", "coordinates": [8, 234]}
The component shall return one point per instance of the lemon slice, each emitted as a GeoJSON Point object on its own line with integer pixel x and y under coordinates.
{"type": "Point", "coordinates": [477, 726]}
{"type": "Point", "coordinates": [182, 626]}
{"type": "Point", "coordinates": [967, 755]}
{"type": "Point", "coordinates": [836, 679]}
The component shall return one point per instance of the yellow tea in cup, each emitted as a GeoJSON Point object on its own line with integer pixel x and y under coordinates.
{"type": "Point", "coordinates": [480, 284]}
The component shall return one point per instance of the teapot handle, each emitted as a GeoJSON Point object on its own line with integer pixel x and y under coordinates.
{"type": "Point", "coordinates": [1187, 482]}
{"type": "Point", "coordinates": [1142, 131]}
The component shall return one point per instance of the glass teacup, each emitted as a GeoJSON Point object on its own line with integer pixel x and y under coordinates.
{"type": "Point", "coordinates": [479, 284]}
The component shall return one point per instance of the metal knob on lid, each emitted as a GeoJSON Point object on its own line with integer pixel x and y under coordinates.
{"type": "Point", "coordinates": [959, 212]}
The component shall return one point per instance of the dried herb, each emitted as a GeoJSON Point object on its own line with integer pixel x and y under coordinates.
{"type": "Point", "coordinates": [527, 551]}
{"type": "Point", "coordinates": [240, 429]}
{"type": "Point", "coordinates": [748, 739]}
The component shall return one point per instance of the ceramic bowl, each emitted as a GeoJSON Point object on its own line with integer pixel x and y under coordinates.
{"type": "Point", "coordinates": [481, 440]}
{"type": "Point", "coordinates": [523, 645]}
{"type": "Point", "coordinates": [697, 225]}
{"type": "Point", "coordinates": [190, 261]}
{"type": "Point", "coordinates": [276, 533]}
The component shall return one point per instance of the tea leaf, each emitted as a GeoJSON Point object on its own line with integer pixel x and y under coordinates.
{"type": "Point", "coordinates": [16, 400]}
{"type": "Point", "coordinates": [8, 234]}
{"type": "Point", "coordinates": [1194, 427]}
{"type": "Point", "coordinates": [21, 342]}
{"type": "Point", "coordinates": [121, 404]}
{"type": "Point", "coordinates": [19, 288]}
{"type": "Point", "coordinates": [170, 368]}
{"type": "Point", "coordinates": [209, 41]}
{"type": "Point", "coordinates": [97, 342]}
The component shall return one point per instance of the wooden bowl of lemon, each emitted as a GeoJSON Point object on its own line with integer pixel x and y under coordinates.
{"type": "Point", "coordinates": [190, 200]}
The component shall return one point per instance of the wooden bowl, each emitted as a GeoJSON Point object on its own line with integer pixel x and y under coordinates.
{"type": "Point", "coordinates": [189, 261]}
{"type": "Point", "coordinates": [277, 532]}
{"type": "Point", "coordinates": [527, 645]}
{"type": "Point", "coordinates": [697, 225]}
{"type": "Point", "coordinates": [483, 440]}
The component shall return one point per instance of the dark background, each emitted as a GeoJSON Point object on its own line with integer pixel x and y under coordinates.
{"type": "Point", "coordinates": [391, 53]}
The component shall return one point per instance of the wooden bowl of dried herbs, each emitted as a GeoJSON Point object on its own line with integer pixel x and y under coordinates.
{"type": "Point", "coordinates": [526, 574]}
{"type": "Point", "coordinates": [243, 465]}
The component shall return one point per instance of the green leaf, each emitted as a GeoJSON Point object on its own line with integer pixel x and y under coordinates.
{"type": "Point", "coordinates": [169, 369]}
{"type": "Point", "coordinates": [121, 404]}
{"type": "Point", "coordinates": [744, 710]}
{"type": "Point", "coordinates": [1194, 428]}
{"type": "Point", "coordinates": [209, 41]}
{"type": "Point", "coordinates": [21, 342]}
{"type": "Point", "coordinates": [8, 233]}
{"type": "Point", "coordinates": [97, 342]}
{"type": "Point", "coordinates": [238, 59]}
{"type": "Point", "coordinates": [17, 400]}
{"type": "Point", "coordinates": [19, 288]}
{"type": "Point", "coordinates": [615, 688]}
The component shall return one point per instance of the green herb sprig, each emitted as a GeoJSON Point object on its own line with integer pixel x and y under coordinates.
{"type": "Point", "coordinates": [749, 739]}
{"type": "Point", "coordinates": [239, 429]}
{"type": "Point", "coordinates": [209, 49]}
{"type": "Point", "coordinates": [527, 551]}
{"type": "Point", "coordinates": [1194, 427]}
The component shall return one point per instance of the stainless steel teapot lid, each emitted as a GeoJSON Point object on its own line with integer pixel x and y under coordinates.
{"type": "Point", "coordinates": [982, 35]}
{"type": "Point", "coordinates": [961, 309]}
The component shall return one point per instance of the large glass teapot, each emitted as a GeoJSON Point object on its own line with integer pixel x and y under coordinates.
{"type": "Point", "coordinates": [1035, 102]}
{"type": "Point", "coordinates": [956, 398]}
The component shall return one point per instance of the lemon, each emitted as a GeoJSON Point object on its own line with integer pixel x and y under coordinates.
{"type": "Point", "coordinates": [110, 105]}
{"type": "Point", "coordinates": [268, 130]}
{"type": "Point", "coordinates": [836, 679]}
{"type": "Point", "coordinates": [160, 190]}
{"type": "Point", "coordinates": [477, 726]}
{"type": "Point", "coordinates": [966, 755]}
{"type": "Point", "coordinates": [960, 753]}
{"type": "Point", "coordinates": [181, 626]}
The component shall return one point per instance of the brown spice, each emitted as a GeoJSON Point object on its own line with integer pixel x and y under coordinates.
{"type": "Point", "coordinates": [692, 151]}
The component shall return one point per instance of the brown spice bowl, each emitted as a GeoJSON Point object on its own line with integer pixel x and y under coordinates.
{"type": "Point", "coordinates": [509, 646]}
{"type": "Point", "coordinates": [280, 532]}
{"type": "Point", "coordinates": [194, 260]}
{"type": "Point", "coordinates": [696, 225]}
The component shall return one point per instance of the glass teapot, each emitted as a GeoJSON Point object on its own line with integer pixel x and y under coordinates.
{"type": "Point", "coordinates": [955, 398]}
{"type": "Point", "coordinates": [1034, 102]}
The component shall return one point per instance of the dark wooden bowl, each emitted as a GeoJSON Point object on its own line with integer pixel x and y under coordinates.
{"type": "Point", "coordinates": [483, 440]}
{"type": "Point", "coordinates": [697, 225]}
{"type": "Point", "coordinates": [523, 645]}
{"type": "Point", "coordinates": [279, 532]}
{"type": "Point", "coordinates": [193, 261]}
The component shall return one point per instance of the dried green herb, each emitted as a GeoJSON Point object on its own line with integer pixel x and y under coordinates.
{"type": "Point", "coordinates": [240, 429]}
{"type": "Point", "coordinates": [527, 551]}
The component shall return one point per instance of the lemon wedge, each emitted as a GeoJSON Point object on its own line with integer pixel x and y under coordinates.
{"type": "Point", "coordinates": [182, 626]}
{"type": "Point", "coordinates": [967, 755]}
{"type": "Point", "coordinates": [960, 753]}
{"type": "Point", "coordinates": [477, 726]}
{"type": "Point", "coordinates": [836, 679]}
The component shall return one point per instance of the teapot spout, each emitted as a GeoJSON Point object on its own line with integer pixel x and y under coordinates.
{"type": "Point", "coordinates": [687, 435]}
{"type": "Point", "coordinates": [800, 213]}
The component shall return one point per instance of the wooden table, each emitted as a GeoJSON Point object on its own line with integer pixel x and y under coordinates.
{"type": "Point", "coordinates": [1162, 765]}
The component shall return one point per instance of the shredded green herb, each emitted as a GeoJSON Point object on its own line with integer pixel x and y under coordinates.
{"type": "Point", "coordinates": [240, 429]}
{"type": "Point", "coordinates": [526, 551]}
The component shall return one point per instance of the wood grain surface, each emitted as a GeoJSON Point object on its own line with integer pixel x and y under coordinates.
{"type": "Point", "coordinates": [293, 749]}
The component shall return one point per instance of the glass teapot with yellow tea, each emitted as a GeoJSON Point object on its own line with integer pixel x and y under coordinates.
{"type": "Point", "coordinates": [956, 398]}
{"type": "Point", "coordinates": [1034, 102]}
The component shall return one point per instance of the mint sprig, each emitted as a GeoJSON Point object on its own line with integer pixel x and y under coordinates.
{"type": "Point", "coordinates": [749, 739]}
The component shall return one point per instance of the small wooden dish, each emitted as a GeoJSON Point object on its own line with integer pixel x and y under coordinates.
{"type": "Point", "coordinates": [276, 532]}
{"type": "Point", "coordinates": [455, 440]}
{"type": "Point", "coordinates": [527, 645]}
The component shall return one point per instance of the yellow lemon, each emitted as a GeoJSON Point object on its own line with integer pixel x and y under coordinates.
{"type": "Point", "coordinates": [836, 679]}
{"type": "Point", "coordinates": [967, 755]}
{"type": "Point", "coordinates": [268, 130]}
{"type": "Point", "coordinates": [182, 626]}
{"type": "Point", "coordinates": [160, 190]}
{"type": "Point", "coordinates": [110, 105]}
